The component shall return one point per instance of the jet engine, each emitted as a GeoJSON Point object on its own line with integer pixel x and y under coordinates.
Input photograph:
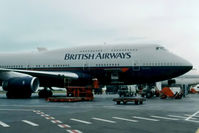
{"type": "Point", "coordinates": [20, 87]}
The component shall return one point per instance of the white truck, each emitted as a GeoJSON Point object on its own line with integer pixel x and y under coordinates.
{"type": "Point", "coordinates": [127, 90]}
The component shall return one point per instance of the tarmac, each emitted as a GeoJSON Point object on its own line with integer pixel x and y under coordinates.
{"type": "Point", "coordinates": [99, 116]}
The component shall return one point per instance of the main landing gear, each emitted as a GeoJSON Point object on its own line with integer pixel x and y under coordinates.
{"type": "Point", "coordinates": [45, 93]}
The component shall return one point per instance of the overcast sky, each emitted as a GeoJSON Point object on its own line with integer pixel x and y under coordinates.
{"type": "Point", "coordinates": [28, 24]}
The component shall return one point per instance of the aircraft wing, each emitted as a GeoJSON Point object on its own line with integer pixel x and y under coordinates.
{"type": "Point", "coordinates": [68, 75]}
{"type": "Point", "coordinates": [21, 83]}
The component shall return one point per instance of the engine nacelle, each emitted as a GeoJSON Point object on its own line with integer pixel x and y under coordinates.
{"type": "Point", "coordinates": [21, 84]}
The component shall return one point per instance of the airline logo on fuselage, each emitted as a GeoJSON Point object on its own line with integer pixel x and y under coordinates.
{"type": "Point", "coordinates": [95, 56]}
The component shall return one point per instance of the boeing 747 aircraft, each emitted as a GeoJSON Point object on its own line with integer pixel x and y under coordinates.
{"type": "Point", "coordinates": [22, 74]}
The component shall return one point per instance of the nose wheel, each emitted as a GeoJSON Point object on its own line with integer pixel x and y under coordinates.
{"type": "Point", "coordinates": [45, 93]}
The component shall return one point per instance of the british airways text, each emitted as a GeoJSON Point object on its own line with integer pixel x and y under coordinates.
{"type": "Point", "coordinates": [96, 56]}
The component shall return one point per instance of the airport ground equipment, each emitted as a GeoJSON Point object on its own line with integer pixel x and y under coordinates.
{"type": "Point", "coordinates": [124, 100]}
{"type": "Point", "coordinates": [194, 89]}
{"type": "Point", "coordinates": [75, 94]}
{"type": "Point", "coordinates": [149, 93]}
{"type": "Point", "coordinates": [112, 89]}
{"type": "Point", "coordinates": [171, 92]}
{"type": "Point", "coordinates": [98, 91]}
{"type": "Point", "coordinates": [149, 90]}
{"type": "Point", "coordinates": [127, 90]}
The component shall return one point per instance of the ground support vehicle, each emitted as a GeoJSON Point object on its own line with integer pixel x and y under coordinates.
{"type": "Point", "coordinates": [148, 91]}
{"type": "Point", "coordinates": [75, 94]}
{"type": "Point", "coordinates": [98, 91]}
{"type": "Point", "coordinates": [171, 92]}
{"type": "Point", "coordinates": [127, 90]}
{"type": "Point", "coordinates": [194, 89]}
{"type": "Point", "coordinates": [112, 89]}
{"type": "Point", "coordinates": [124, 100]}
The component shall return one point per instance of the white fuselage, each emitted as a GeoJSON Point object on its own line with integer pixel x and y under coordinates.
{"type": "Point", "coordinates": [98, 56]}
{"type": "Point", "coordinates": [130, 63]}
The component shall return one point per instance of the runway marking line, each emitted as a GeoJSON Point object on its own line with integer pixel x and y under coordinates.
{"type": "Point", "coordinates": [192, 115]}
{"type": "Point", "coordinates": [81, 121]}
{"type": "Point", "coordinates": [30, 123]}
{"type": "Point", "coordinates": [177, 116]}
{"type": "Point", "coordinates": [166, 118]}
{"type": "Point", "coordinates": [56, 121]}
{"type": "Point", "coordinates": [104, 120]}
{"type": "Point", "coordinates": [15, 110]}
{"type": "Point", "coordinates": [144, 118]}
{"type": "Point", "coordinates": [42, 113]}
{"type": "Point", "coordinates": [124, 119]}
{"type": "Point", "coordinates": [73, 131]}
{"type": "Point", "coordinates": [4, 124]}
{"type": "Point", "coordinates": [64, 126]}
{"type": "Point", "coordinates": [50, 118]}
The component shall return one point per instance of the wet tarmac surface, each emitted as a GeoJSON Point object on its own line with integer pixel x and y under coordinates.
{"type": "Point", "coordinates": [100, 116]}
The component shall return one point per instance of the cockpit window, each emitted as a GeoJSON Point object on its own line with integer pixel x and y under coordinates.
{"type": "Point", "coordinates": [160, 48]}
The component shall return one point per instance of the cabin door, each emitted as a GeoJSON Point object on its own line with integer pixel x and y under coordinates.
{"type": "Point", "coordinates": [86, 66]}
{"type": "Point", "coordinates": [136, 66]}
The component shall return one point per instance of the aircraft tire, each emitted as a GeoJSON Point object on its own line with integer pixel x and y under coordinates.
{"type": "Point", "coordinates": [45, 93]}
{"type": "Point", "coordinates": [148, 95]}
{"type": "Point", "coordinates": [9, 95]}
{"type": "Point", "coordinates": [118, 102]}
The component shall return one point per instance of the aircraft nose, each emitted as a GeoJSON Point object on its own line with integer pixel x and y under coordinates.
{"type": "Point", "coordinates": [185, 66]}
{"type": "Point", "coordinates": [189, 64]}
